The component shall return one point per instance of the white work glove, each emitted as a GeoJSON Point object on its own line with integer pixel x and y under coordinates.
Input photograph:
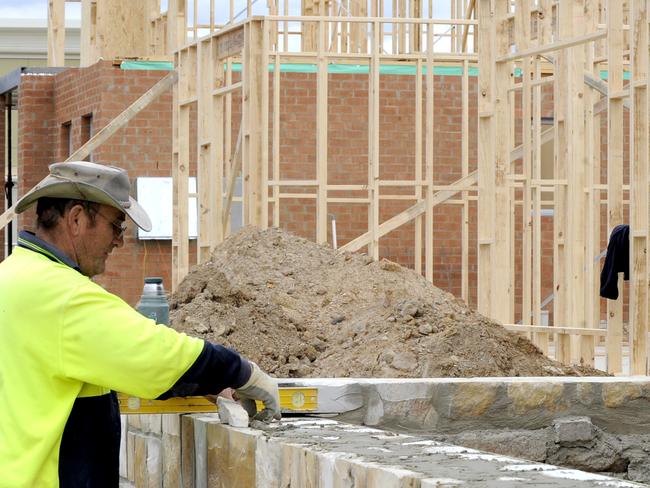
{"type": "Point", "coordinates": [260, 386]}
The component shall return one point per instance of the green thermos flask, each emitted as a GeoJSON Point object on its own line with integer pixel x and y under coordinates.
{"type": "Point", "coordinates": [153, 302]}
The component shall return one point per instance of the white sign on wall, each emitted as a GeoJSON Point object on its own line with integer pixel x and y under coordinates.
{"type": "Point", "coordinates": [155, 194]}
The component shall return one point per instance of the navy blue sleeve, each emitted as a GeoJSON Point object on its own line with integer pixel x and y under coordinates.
{"type": "Point", "coordinates": [216, 368]}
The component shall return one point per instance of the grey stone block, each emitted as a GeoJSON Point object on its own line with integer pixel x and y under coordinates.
{"type": "Point", "coordinates": [573, 429]}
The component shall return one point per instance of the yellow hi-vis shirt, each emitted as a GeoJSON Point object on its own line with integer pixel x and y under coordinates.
{"type": "Point", "coordinates": [63, 336]}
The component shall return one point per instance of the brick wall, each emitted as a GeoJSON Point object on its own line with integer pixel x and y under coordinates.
{"type": "Point", "coordinates": [37, 130]}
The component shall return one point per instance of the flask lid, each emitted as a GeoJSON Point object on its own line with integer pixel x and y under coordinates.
{"type": "Point", "coordinates": [153, 280]}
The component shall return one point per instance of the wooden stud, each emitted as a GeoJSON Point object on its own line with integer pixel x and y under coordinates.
{"type": "Point", "coordinates": [255, 124]}
{"type": "Point", "coordinates": [639, 160]}
{"type": "Point", "coordinates": [561, 302]}
{"type": "Point", "coordinates": [227, 145]}
{"type": "Point", "coordinates": [501, 253]}
{"type": "Point", "coordinates": [321, 136]}
{"type": "Point", "coordinates": [486, 148]}
{"type": "Point", "coordinates": [429, 161]}
{"type": "Point", "coordinates": [464, 279]}
{"type": "Point", "coordinates": [233, 170]}
{"type": "Point", "coordinates": [418, 164]}
{"type": "Point", "coordinates": [216, 137]}
{"type": "Point", "coordinates": [401, 27]}
{"type": "Point", "coordinates": [543, 36]}
{"type": "Point", "coordinates": [592, 148]}
{"type": "Point", "coordinates": [88, 40]}
{"type": "Point", "coordinates": [263, 74]}
{"type": "Point", "coordinates": [205, 150]}
{"type": "Point", "coordinates": [373, 141]}
{"type": "Point", "coordinates": [581, 352]}
{"type": "Point", "coordinates": [176, 28]}
{"type": "Point", "coordinates": [615, 142]}
{"type": "Point", "coordinates": [56, 33]}
{"type": "Point", "coordinates": [522, 35]}
{"type": "Point", "coordinates": [276, 140]}
{"type": "Point", "coordinates": [186, 66]}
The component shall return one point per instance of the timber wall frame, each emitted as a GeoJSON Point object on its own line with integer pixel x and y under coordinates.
{"type": "Point", "coordinates": [579, 39]}
{"type": "Point", "coordinates": [255, 43]}
{"type": "Point", "coordinates": [563, 46]}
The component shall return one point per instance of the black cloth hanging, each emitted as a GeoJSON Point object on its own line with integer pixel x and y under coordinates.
{"type": "Point", "coordinates": [616, 261]}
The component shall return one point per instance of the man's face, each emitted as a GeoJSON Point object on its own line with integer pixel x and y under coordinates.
{"type": "Point", "coordinates": [99, 235]}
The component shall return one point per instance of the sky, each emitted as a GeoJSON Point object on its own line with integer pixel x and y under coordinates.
{"type": "Point", "coordinates": [37, 9]}
{"type": "Point", "coordinates": [34, 9]}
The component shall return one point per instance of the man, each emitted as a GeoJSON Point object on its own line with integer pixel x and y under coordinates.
{"type": "Point", "coordinates": [66, 344]}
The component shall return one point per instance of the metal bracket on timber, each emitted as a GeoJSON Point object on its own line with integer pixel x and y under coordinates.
{"type": "Point", "coordinates": [111, 128]}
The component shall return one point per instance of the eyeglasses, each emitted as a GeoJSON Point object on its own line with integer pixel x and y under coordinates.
{"type": "Point", "coordinates": [119, 225]}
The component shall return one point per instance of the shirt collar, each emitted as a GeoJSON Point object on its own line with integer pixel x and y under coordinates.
{"type": "Point", "coordinates": [28, 240]}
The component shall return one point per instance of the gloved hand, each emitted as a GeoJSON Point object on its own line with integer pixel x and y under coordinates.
{"type": "Point", "coordinates": [260, 386]}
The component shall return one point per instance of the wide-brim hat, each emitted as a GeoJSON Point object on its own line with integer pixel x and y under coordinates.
{"type": "Point", "coordinates": [82, 180]}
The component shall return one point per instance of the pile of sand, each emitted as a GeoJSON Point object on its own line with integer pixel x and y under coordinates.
{"type": "Point", "coordinates": [303, 310]}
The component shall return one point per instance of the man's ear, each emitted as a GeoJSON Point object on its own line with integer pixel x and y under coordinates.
{"type": "Point", "coordinates": [75, 218]}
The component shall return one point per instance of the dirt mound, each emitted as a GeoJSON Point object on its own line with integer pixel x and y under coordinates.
{"type": "Point", "coordinates": [302, 310]}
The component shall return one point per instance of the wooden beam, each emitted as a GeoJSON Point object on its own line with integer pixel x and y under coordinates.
{"type": "Point", "coordinates": [276, 138]}
{"type": "Point", "coordinates": [522, 38]}
{"type": "Point", "coordinates": [468, 15]}
{"type": "Point", "coordinates": [321, 134]}
{"type": "Point", "coordinates": [429, 155]}
{"type": "Point", "coordinates": [464, 279]}
{"type": "Point", "coordinates": [235, 169]}
{"type": "Point", "coordinates": [230, 42]}
{"type": "Point", "coordinates": [561, 302]}
{"type": "Point", "coordinates": [205, 151]}
{"type": "Point", "coordinates": [579, 331]}
{"type": "Point", "coordinates": [56, 33]}
{"type": "Point", "coordinates": [485, 231]}
{"type": "Point", "coordinates": [408, 214]}
{"type": "Point", "coordinates": [577, 170]}
{"type": "Point", "coordinates": [418, 165]}
{"type": "Point", "coordinates": [255, 124]}
{"type": "Point", "coordinates": [556, 46]}
{"type": "Point", "coordinates": [615, 151]}
{"type": "Point", "coordinates": [593, 168]}
{"type": "Point", "coordinates": [639, 161]}
{"type": "Point", "coordinates": [186, 64]}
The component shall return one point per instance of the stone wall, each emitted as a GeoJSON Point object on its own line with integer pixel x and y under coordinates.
{"type": "Point", "coordinates": [197, 451]}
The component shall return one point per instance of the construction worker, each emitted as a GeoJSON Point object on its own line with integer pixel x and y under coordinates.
{"type": "Point", "coordinates": [66, 344]}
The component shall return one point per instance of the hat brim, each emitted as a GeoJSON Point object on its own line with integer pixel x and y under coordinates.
{"type": "Point", "coordinates": [53, 187]}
